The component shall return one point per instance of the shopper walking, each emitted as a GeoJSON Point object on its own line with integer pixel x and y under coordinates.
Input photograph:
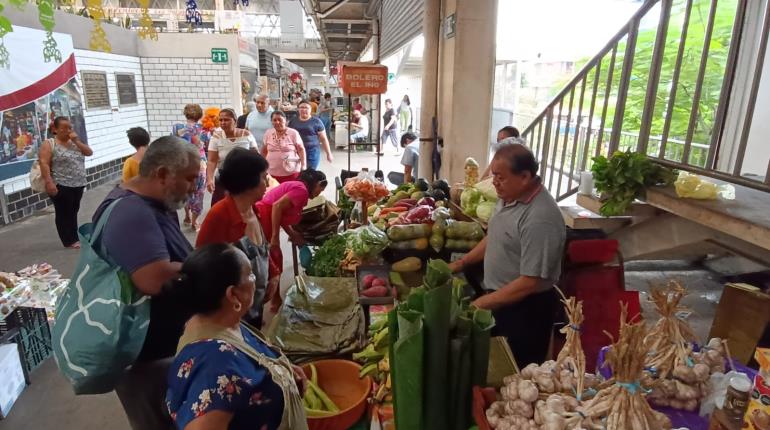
{"type": "Point", "coordinates": [139, 138]}
{"type": "Point", "coordinates": [250, 107]}
{"type": "Point", "coordinates": [258, 122]}
{"type": "Point", "coordinates": [283, 149]}
{"type": "Point", "coordinates": [390, 129]}
{"type": "Point", "coordinates": [313, 134]}
{"type": "Point", "coordinates": [222, 142]}
{"type": "Point", "coordinates": [227, 376]}
{"type": "Point", "coordinates": [193, 132]}
{"type": "Point", "coordinates": [523, 261]}
{"type": "Point", "coordinates": [405, 114]}
{"type": "Point", "coordinates": [142, 237]}
{"type": "Point", "coordinates": [234, 220]}
{"type": "Point", "coordinates": [63, 167]}
{"type": "Point", "coordinates": [282, 208]}
{"type": "Point", "coordinates": [325, 112]}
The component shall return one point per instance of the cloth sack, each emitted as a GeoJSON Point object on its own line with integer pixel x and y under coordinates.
{"type": "Point", "coordinates": [101, 319]}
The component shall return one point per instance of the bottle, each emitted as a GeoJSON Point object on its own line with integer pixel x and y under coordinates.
{"type": "Point", "coordinates": [737, 398]}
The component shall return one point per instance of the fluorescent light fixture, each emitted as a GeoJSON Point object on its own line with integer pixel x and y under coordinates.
{"type": "Point", "coordinates": [318, 75]}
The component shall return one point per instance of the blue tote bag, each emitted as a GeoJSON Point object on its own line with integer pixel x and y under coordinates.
{"type": "Point", "coordinates": [101, 319]}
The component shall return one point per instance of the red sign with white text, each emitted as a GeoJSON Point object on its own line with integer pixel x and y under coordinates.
{"type": "Point", "coordinates": [362, 78]}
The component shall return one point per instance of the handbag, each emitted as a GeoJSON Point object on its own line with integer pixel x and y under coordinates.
{"type": "Point", "coordinates": [258, 256]}
{"type": "Point", "coordinates": [101, 319]}
{"type": "Point", "coordinates": [36, 180]}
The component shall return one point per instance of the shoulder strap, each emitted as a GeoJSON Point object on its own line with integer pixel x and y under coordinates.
{"type": "Point", "coordinates": [103, 218]}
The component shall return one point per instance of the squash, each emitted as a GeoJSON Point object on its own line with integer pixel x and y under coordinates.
{"type": "Point", "coordinates": [409, 264]}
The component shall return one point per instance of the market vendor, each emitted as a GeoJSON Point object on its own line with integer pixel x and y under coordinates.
{"type": "Point", "coordinates": [521, 256]}
{"type": "Point", "coordinates": [282, 207]}
{"type": "Point", "coordinates": [505, 135]}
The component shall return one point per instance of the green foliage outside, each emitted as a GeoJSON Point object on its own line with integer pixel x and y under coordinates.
{"type": "Point", "coordinates": [719, 46]}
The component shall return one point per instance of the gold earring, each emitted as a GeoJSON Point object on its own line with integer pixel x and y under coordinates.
{"type": "Point", "coordinates": [237, 306]}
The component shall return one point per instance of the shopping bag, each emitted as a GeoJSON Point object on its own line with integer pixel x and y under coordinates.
{"type": "Point", "coordinates": [36, 181]}
{"type": "Point", "coordinates": [101, 319]}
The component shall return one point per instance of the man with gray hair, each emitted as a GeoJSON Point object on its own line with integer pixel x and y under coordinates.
{"type": "Point", "coordinates": [521, 255]}
{"type": "Point", "coordinates": [142, 236]}
{"type": "Point", "coordinates": [259, 121]}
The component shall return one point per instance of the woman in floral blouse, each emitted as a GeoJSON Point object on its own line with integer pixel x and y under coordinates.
{"type": "Point", "coordinates": [192, 132]}
{"type": "Point", "coordinates": [225, 375]}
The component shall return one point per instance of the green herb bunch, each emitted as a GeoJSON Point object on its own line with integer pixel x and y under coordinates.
{"type": "Point", "coordinates": [624, 177]}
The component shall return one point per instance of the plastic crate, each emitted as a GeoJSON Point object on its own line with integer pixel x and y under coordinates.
{"type": "Point", "coordinates": [34, 335]}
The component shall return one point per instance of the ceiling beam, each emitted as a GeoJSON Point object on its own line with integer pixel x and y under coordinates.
{"type": "Point", "coordinates": [332, 8]}
{"type": "Point", "coordinates": [346, 21]}
{"type": "Point", "coordinates": [346, 36]}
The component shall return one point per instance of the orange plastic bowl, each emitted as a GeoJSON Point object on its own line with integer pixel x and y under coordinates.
{"type": "Point", "coordinates": [339, 380]}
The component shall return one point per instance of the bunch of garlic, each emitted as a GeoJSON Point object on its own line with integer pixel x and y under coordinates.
{"type": "Point", "coordinates": [541, 397]}
{"type": "Point", "coordinates": [687, 385]}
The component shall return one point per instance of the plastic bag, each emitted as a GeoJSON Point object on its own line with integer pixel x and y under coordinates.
{"type": "Point", "coordinates": [367, 241]}
{"type": "Point", "coordinates": [366, 187]}
{"type": "Point", "coordinates": [321, 317]}
{"type": "Point", "coordinates": [718, 383]}
{"type": "Point", "coordinates": [692, 186]}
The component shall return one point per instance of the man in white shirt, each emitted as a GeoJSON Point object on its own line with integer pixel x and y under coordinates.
{"type": "Point", "coordinates": [258, 121]}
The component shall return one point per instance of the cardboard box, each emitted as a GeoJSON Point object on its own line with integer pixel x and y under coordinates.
{"type": "Point", "coordinates": [758, 415]}
{"type": "Point", "coordinates": [741, 318]}
{"type": "Point", "coordinates": [12, 377]}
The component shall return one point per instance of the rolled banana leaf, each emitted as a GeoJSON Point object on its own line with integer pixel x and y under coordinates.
{"type": "Point", "coordinates": [437, 303]}
{"type": "Point", "coordinates": [483, 321]}
{"type": "Point", "coordinates": [464, 398]}
{"type": "Point", "coordinates": [407, 370]}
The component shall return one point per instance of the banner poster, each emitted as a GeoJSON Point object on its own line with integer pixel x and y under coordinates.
{"type": "Point", "coordinates": [32, 93]}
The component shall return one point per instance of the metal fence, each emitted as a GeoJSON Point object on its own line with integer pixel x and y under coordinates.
{"type": "Point", "coordinates": [664, 103]}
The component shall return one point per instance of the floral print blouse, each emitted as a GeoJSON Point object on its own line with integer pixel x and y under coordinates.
{"type": "Point", "coordinates": [211, 375]}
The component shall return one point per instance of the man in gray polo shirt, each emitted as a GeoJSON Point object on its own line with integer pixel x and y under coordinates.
{"type": "Point", "coordinates": [521, 254]}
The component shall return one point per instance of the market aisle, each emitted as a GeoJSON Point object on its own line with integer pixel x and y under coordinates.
{"type": "Point", "coordinates": [49, 402]}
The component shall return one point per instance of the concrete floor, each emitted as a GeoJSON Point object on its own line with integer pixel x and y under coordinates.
{"type": "Point", "coordinates": [49, 402]}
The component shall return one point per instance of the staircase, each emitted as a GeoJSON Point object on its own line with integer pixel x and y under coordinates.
{"type": "Point", "coordinates": [678, 82]}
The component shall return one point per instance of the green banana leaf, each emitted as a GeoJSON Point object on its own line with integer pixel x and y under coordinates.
{"type": "Point", "coordinates": [483, 321]}
{"type": "Point", "coordinates": [437, 274]}
{"type": "Point", "coordinates": [463, 398]}
{"type": "Point", "coordinates": [437, 302]}
{"type": "Point", "coordinates": [407, 370]}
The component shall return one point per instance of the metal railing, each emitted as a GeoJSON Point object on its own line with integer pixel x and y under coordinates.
{"type": "Point", "coordinates": [661, 90]}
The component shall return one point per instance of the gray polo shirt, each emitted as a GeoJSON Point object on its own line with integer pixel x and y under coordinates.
{"type": "Point", "coordinates": [525, 238]}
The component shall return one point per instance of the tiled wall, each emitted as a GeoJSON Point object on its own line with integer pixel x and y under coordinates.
{"type": "Point", "coordinates": [25, 202]}
{"type": "Point", "coordinates": [171, 83]}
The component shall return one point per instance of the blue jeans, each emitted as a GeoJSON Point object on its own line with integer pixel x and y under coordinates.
{"type": "Point", "coordinates": [313, 155]}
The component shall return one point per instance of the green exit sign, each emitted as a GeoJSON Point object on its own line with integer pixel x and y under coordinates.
{"type": "Point", "coordinates": [219, 55]}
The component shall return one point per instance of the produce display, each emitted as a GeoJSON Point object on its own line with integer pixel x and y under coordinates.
{"type": "Point", "coordinates": [317, 403]}
{"type": "Point", "coordinates": [546, 396]}
{"type": "Point", "coordinates": [471, 172]}
{"type": "Point", "coordinates": [375, 360]}
{"type": "Point", "coordinates": [479, 200]}
{"type": "Point", "coordinates": [622, 404]}
{"type": "Point", "coordinates": [367, 241]}
{"type": "Point", "coordinates": [365, 188]}
{"type": "Point", "coordinates": [439, 349]}
{"type": "Point", "coordinates": [624, 177]}
{"type": "Point", "coordinates": [677, 376]}
{"type": "Point", "coordinates": [375, 286]}
{"type": "Point", "coordinates": [327, 258]}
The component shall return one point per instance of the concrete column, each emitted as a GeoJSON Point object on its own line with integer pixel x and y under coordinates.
{"type": "Point", "coordinates": [431, 28]}
{"type": "Point", "coordinates": [467, 75]}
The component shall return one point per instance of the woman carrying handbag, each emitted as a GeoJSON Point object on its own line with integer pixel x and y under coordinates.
{"type": "Point", "coordinates": [63, 167]}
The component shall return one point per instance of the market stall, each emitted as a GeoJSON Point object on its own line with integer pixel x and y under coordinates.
{"type": "Point", "coordinates": [379, 292]}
